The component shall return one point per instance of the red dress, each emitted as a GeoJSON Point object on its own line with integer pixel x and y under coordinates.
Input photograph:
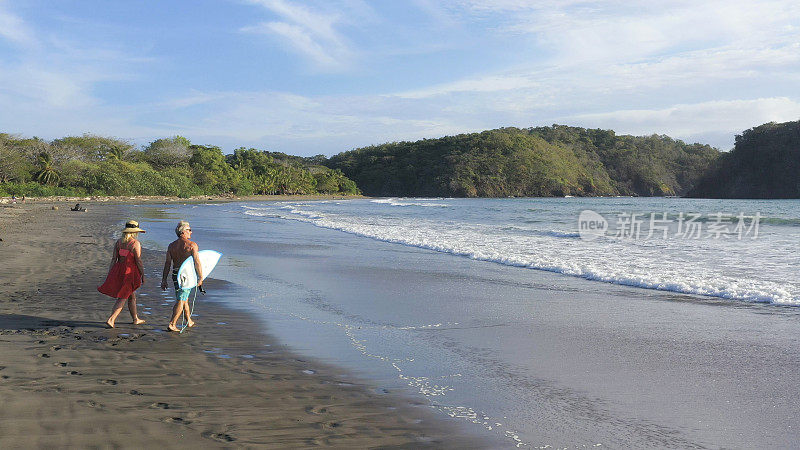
{"type": "Point", "coordinates": [124, 277]}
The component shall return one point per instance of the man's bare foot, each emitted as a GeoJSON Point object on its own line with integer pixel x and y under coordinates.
{"type": "Point", "coordinates": [172, 327]}
{"type": "Point", "coordinates": [138, 321]}
{"type": "Point", "coordinates": [109, 324]}
{"type": "Point", "coordinates": [190, 324]}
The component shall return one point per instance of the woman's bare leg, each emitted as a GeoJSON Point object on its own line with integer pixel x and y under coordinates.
{"type": "Point", "coordinates": [132, 310]}
{"type": "Point", "coordinates": [115, 312]}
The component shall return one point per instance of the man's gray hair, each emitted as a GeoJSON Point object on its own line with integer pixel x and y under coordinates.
{"type": "Point", "coordinates": [182, 226]}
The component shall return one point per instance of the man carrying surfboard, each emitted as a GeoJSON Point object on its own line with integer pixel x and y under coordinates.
{"type": "Point", "coordinates": [177, 252]}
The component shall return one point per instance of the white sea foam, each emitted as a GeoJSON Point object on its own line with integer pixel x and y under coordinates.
{"type": "Point", "coordinates": [677, 266]}
{"type": "Point", "coordinates": [399, 202]}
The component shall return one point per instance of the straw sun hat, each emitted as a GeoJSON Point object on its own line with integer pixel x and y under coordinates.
{"type": "Point", "coordinates": [132, 226]}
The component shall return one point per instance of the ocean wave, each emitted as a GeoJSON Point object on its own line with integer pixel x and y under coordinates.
{"type": "Point", "coordinates": [791, 222]}
{"type": "Point", "coordinates": [560, 234]}
{"type": "Point", "coordinates": [478, 242]}
{"type": "Point", "coordinates": [726, 217]}
{"type": "Point", "coordinates": [550, 233]}
{"type": "Point", "coordinates": [397, 202]}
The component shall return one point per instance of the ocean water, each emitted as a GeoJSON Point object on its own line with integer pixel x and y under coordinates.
{"type": "Point", "coordinates": [543, 234]}
{"type": "Point", "coordinates": [498, 313]}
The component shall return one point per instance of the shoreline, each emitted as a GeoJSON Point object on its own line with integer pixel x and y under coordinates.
{"type": "Point", "coordinates": [67, 381]}
{"type": "Point", "coordinates": [144, 199]}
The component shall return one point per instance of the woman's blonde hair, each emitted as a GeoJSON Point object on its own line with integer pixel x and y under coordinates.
{"type": "Point", "coordinates": [127, 237]}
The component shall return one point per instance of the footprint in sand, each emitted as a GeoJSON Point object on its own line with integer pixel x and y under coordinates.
{"type": "Point", "coordinates": [55, 348]}
{"type": "Point", "coordinates": [90, 404]}
{"type": "Point", "coordinates": [43, 355]}
{"type": "Point", "coordinates": [326, 425]}
{"type": "Point", "coordinates": [221, 437]}
{"type": "Point", "coordinates": [178, 420]}
{"type": "Point", "coordinates": [135, 392]}
{"type": "Point", "coordinates": [61, 364]}
{"type": "Point", "coordinates": [160, 405]}
{"type": "Point", "coordinates": [109, 382]}
{"type": "Point", "coordinates": [75, 372]}
{"type": "Point", "coordinates": [316, 410]}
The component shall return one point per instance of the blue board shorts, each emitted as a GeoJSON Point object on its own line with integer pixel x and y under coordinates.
{"type": "Point", "coordinates": [181, 295]}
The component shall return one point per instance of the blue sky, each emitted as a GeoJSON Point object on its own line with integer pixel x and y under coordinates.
{"type": "Point", "coordinates": [310, 77]}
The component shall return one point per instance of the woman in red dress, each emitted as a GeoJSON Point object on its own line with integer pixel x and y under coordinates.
{"type": "Point", "coordinates": [125, 274]}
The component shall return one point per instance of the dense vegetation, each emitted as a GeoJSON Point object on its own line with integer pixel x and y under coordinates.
{"type": "Point", "coordinates": [764, 163]}
{"type": "Point", "coordinates": [545, 161]}
{"type": "Point", "coordinates": [96, 165]}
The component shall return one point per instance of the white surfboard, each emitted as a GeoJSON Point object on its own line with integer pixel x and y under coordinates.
{"type": "Point", "coordinates": [187, 277]}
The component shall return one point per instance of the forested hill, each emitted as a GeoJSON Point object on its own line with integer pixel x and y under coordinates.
{"type": "Point", "coordinates": [545, 161]}
{"type": "Point", "coordinates": [764, 163]}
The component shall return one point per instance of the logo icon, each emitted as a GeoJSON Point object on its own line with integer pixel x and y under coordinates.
{"type": "Point", "coordinates": [591, 225]}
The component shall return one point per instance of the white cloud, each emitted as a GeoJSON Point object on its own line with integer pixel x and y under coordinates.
{"type": "Point", "coordinates": [311, 33]}
{"type": "Point", "coordinates": [625, 31]}
{"type": "Point", "coordinates": [36, 77]}
{"type": "Point", "coordinates": [686, 120]}
{"type": "Point", "coordinates": [300, 124]}
{"type": "Point", "coordinates": [492, 83]}
{"type": "Point", "coordinates": [13, 28]}
{"type": "Point", "coordinates": [48, 89]}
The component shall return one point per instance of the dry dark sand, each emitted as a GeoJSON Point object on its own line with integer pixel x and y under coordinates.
{"type": "Point", "coordinates": [66, 381]}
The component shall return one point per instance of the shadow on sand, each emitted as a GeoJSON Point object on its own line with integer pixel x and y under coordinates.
{"type": "Point", "coordinates": [23, 322]}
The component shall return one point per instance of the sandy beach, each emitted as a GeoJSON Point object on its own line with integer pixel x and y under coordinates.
{"type": "Point", "coordinates": [67, 381]}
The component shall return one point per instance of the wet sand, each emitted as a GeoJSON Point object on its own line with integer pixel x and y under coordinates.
{"type": "Point", "coordinates": [66, 380]}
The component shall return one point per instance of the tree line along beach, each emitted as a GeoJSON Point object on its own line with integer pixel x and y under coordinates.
{"type": "Point", "coordinates": [508, 162]}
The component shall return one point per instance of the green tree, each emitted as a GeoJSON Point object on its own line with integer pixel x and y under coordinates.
{"type": "Point", "coordinates": [764, 163]}
{"type": "Point", "coordinates": [168, 152]}
{"type": "Point", "coordinates": [212, 173]}
{"type": "Point", "coordinates": [46, 173]}
{"type": "Point", "coordinates": [544, 161]}
{"type": "Point", "coordinates": [92, 147]}
{"type": "Point", "coordinates": [13, 165]}
{"type": "Point", "coordinates": [92, 164]}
